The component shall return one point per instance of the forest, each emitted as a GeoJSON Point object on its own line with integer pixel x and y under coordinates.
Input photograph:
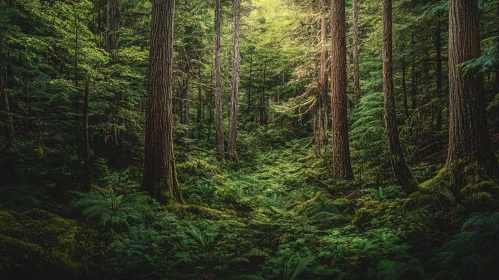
{"type": "Point", "coordinates": [249, 139]}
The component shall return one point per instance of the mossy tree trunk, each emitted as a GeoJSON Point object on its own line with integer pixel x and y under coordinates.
{"type": "Point", "coordinates": [469, 139]}
{"type": "Point", "coordinates": [160, 177]}
{"type": "Point", "coordinates": [232, 144]}
{"type": "Point", "coordinates": [342, 168]}
{"type": "Point", "coordinates": [400, 170]}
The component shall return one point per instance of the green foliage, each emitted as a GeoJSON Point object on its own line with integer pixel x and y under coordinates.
{"type": "Point", "coordinates": [383, 193]}
{"type": "Point", "coordinates": [204, 238]}
{"type": "Point", "coordinates": [470, 254]}
{"type": "Point", "coordinates": [292, 272]}
{"type": "Point", "coordinates": [40, 243]}
{"type": "Point", "coordinates": [118, 205]}
{"type": "Point", "coordinates": [368, 138]}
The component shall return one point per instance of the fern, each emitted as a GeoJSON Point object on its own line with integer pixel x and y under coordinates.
{"type": "Point", "coordinates": [293, 271]}
{"type": "Point", "coordinates": [383, 193]}
{"type": "Point", "coordinates": [204, 238]}
{"type": "Point", "coordinates": [471, 253]}
{"type": "Point", "coordinates": [117, 206]}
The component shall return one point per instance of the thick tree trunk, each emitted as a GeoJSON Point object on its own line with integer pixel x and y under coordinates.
{"type": "Point", "coordinates": [400, 170]}
{"type": "Point", "coordinates": [86, 145]}
{"type": "Point", "coordinates": [469, 139]}
{"type": "Point", "coordinates": [113, 28]}
{"type": "Point", "coordinates": [231, 149]}
{"type": "Point", "coordinates": [342, 168]}
{"type": "Point", "coordinates": [218, 86]}
{"type": "Point", "coordinates": [160, 177]}
{"type": "Point", "coordinates": [320, 116]}
{"type": "Point", "coordinates": [355, 50]}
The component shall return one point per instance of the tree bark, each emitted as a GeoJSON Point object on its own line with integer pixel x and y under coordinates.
{"type": "Point", "coordinates": [355, 50]}
{"type": "Point", "coordinates": [469, 139]}
{"type": "Point", "coordinates": [320, 115]}
{"type": "Point", "coordinates": [400, 170]}
{"type": "Point", "coordinates": [231, 149]}
{"type": "Point", "coordinates": [342, 168]}
{"type": "Point", "coordinates": [160, 177]}
{"type": "Point", "coordinates": [113, 28]}
{"type": "Point", "coordinates": [218, 86]}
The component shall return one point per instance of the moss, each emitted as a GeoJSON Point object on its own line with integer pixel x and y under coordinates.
{"type": "Point", "coordinates": [480, 196]}
{"type": "Point", "coordinates": [433, 194]}
{"type": "Point", "coordinates": [39, 242]}
{"type": "Point", "coordinates": [376, 210]}
{"type": "Point", "coordinates": [194, 165]}
{"type": "Point", "coordinates": [303, 206]}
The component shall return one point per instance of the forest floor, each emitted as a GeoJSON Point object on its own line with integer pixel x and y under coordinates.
{"type": "Point", "coordinates": [275, 210]}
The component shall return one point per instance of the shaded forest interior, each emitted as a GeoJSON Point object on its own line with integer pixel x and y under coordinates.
{"type": "Point", "coordinates": [249, 139]}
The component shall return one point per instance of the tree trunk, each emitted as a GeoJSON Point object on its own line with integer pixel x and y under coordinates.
{"type": "Point", "coordinates": [342, 168]}
{"type": "Point", "coordinates": [86, 145]}
{"type": "Point", "coordinates": [231, 149]}
{"type": "Point", "coordinates": [320, 115]}
{"type": "Point", "coordinates": [113, 28]}
{"type": "Point", "coordinates": [355, 50]}
{"type": "Point", "coordinates": [469, 139]}
{"type": "Point", "coordinates": [218, 86]}
{"type": "Point", "coordinates": [400, 170]}
{"type": "Point", "coordinates": [160, 177]}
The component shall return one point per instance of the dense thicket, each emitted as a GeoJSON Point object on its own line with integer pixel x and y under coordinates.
{"type": "Point", "coordinates": [362, 136]}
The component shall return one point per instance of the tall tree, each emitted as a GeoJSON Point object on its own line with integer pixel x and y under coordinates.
{"type": "Point", "coordinates": [342, 168]}
{"type": "Point", "coordinates": [218, 86]}
{"type": "Point", "coordinates": [320, 115]}
{"type": "Point", "coordinates": [400, 169]}
{"type": "Point", "coordinates": [355, 50]}
{"type": "Point", "coordinates": [469, 139]}
{"type": "Point", "coordinates": [160, 177]}
{"type": "Point", "coordinates": [113, 27]}
{"type": "Point", "coordinates": [231, 148]}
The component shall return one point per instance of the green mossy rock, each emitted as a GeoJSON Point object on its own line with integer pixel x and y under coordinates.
{"type": "Point", "coordinates": [40, 244]}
